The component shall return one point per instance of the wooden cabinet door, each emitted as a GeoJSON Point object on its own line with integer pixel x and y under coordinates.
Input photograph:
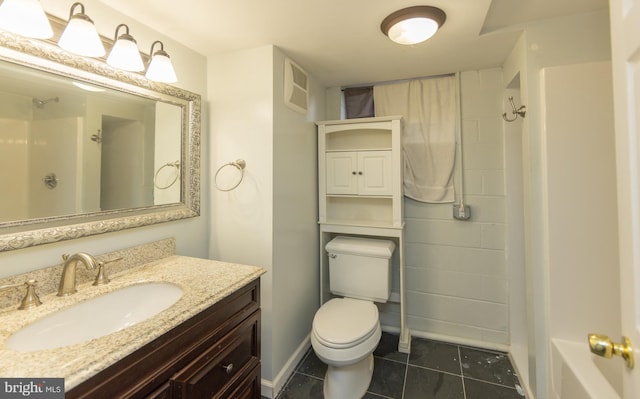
{"type": "Point", "coordinates": [359, 173]}
{"type": "Point", "coordinates": [342, 173]}
{"type": "Point", "coordinates": [374, 173]}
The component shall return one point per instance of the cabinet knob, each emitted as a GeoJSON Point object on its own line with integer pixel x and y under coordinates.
{"type": "Point", "coordinates": [360, 173]}
{"type": "Point", "coordinates": [228, 368]}
{"type": "Point", "coordinates": [353, 173]}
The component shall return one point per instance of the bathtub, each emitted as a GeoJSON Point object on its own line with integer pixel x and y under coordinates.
{"type": "Point", "coordinates": [578, 374]}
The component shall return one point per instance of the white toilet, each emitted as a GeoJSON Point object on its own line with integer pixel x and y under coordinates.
{"type": "Point", "coordinates": [346, 330]}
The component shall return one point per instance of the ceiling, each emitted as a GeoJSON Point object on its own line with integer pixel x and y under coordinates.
{"type": "Point", "coordinates": [339, 42]}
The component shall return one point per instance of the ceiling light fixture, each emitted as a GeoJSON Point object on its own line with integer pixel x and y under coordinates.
{"type": "Point", "coordinates": [80, 36]}
{"type": "Point", "coordinates": [26, 18]}
{"type": "Point", "coordinates": [160, 68]}
{"type": "Point", "coordinates": [124, 53]}
{"type": "Point", "coordinates": [413, 25]}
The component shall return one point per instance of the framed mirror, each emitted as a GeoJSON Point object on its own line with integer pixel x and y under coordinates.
{"type": "Point", "coordinates": [87, 149]}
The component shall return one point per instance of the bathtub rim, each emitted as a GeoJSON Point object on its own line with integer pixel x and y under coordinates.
{"type": "Point", "coordinates": [574, 354]}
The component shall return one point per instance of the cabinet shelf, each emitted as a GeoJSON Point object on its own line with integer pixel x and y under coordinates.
{"type": "Point", "coordinates": [364, 224]}
{"type": "Point", "coordinates": [358, 196]}
{"type": "Point", "coordinates": [360, 149]}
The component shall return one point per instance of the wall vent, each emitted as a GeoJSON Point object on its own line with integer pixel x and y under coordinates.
{"type": "Point", "coordinates": [296, 91]}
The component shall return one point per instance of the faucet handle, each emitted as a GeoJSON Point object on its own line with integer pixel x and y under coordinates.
{"type": "Point", "coordinates": [101, 277]}
{"type": "Point", "coordinates": [30, 299]}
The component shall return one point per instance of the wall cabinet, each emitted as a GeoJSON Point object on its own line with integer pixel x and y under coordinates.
{"type": "Point", "coordinates": [359, 173]}
{"type": "Point", "coordinates": [360, 191]}
{"type": "Point", "coordinates": [215, 354]}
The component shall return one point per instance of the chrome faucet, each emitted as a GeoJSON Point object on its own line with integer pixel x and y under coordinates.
{"type": "Point", "coordinates": [68, 280]}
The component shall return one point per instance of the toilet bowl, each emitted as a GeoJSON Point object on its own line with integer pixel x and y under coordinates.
{"type": "Point", "coordinates": [345, 333]}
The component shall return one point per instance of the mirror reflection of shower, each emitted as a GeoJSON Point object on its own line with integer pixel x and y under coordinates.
{"type": "Point", "coordinates": [41, 103]}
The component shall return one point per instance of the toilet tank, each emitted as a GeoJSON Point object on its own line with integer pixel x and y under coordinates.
{"type": "Point", "coordinates": [360, 267]}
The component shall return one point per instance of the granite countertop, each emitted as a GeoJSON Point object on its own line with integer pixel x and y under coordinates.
{"type": "Point", "coordinates": [204, 282]}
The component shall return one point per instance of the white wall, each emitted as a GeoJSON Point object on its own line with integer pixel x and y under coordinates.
{"type": "Point", "coordinates": [14, 150]}
{"type": "Point", "coordinates": [455, 270]}
{"type": "Point", "coordinates": [166, 150]}
{"type": "Point", "coordinates": [561, 41]}
{"type": "Point", "coordinates": [51, 140]}
{"type": "Point", "coordinates": [583, 228]}
{"type": "Point", "coordinates": [270, 219]}
{"type": "Point", "coordinates": [514, 235]}
{"type": "Point", "coordinates": [191, 234]}
{"type": "Point", "coordinates": [296, 284]}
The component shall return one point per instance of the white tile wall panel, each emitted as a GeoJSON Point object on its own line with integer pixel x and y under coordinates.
{"type": "Point", "coordinates": [420, 210]}
{"type": "Point", "coordinates": [444, 232]}
{"type": "Point", "coordinates": [453, 309]}
{"type": "Point", "coordinates": [486, 209]}
{"type": "Point", "coordinates": [459, 284]}
{"type": "Point", "coordinates": [476, 156]}
{"type": "Point", "coordinates": [493, 236]}
{"type": "Point", "coordinates": [469, 260]}
{"type": "Point", "coordinates": [456, 270]}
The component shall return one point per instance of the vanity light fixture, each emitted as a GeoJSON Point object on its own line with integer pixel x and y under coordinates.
{"type": "Point", "coordinates": [87, 87]}
{"type": "Point", "coordinates": [413, 25]}
{"type": "Point", "coordinates": [26, 18]}
{"type": "Point", "coordinates": [124, 53]}
{"type": "Point", "coordinates": [80, 36]}
{"type": "Point", "coordinates": [160, 68]}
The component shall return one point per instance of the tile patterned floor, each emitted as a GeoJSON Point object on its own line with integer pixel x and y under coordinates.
{"type": "Point", "coordinates": [433, 370]}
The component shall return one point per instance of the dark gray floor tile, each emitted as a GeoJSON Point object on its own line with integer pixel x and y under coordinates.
{"type": "Point", "coordinates": [482, 390]}
{"type": "Point", "coordinates": [388, 378]}
{"type": "Point", "coordinates": [430, 384]}
{"type": "Point", "coordinates": [488, 366]}
{"type": "Point", "coordinates": [312, 366]}
{"type": "Point", "coordinates": [301, 386]}
{"type": "Point", "coordinates": [388, 348]}
{"type": "Point", "coordinates": [435, 355]}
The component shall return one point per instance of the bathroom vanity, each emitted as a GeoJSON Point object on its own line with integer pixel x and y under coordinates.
{"type": "Point", "coordinates": [214, 354]}
{"type": "Point", "coordinates": [207, 344]}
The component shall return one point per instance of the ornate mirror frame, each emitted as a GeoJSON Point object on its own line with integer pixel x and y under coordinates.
{"type": "Point", "coordinates": [47, 57]}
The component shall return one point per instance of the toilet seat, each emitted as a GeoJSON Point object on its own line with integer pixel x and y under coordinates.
{"type": "Point", "coordinates": [345, 322]}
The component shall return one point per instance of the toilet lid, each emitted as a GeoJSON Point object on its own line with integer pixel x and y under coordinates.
{"type": "Point", "coordinates": [345, 322]}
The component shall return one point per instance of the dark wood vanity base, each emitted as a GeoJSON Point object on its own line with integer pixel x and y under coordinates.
{"type": "Point", "coordinates": [215, 354]}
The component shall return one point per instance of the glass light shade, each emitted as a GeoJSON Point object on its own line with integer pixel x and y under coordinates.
{"type": "Point", "coordinates": [87, 87]}
{"type": "Point", "coordinates": [161, 69]}
{"type": "Point", "coordinates": [26, 18]}
{"type": "Point", "coordinates": [81, 37]}
{"type": "Point", "coordinates": [413, 30]}
{"type": "Point", "coordinates": [125, 55]}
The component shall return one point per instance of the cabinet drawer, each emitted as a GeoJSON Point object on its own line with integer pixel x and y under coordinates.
{"type": "Point", "coordinates": [249, 387]}
{"type": "Point", "coordinates": [164, 392]}
{"type": "Point", "coordinates": [222, 364]}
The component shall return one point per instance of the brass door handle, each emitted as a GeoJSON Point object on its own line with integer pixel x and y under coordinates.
{"type": "Point", "coordinates": [602, 345]}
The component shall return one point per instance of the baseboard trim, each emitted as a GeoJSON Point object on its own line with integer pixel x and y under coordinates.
{"type": "Point", "coordinates": [450, 339]}
{"type": "Point", "coordinates": [270, 389]}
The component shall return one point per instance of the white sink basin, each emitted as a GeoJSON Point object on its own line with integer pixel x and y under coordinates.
{"type": "Point", "coordinates": [96, 317]}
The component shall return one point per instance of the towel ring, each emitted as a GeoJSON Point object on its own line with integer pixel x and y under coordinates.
{"type": "Point", "coordinates": [176, 165]}
{"type": "Point", "coordinates": [238, 164]}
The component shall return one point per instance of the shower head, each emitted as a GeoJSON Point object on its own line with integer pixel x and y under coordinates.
{"type": "Point", "coordinates": [41, 103]}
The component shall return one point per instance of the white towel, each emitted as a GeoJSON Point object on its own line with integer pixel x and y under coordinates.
{"type": "Point", "coordinates": [428, 136]}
